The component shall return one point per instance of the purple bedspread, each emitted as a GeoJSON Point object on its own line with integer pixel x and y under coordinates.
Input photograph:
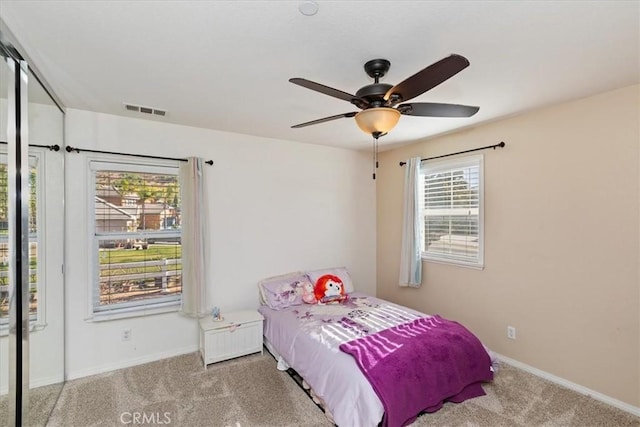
{"type": "Point", "coordinates": [418, 365]}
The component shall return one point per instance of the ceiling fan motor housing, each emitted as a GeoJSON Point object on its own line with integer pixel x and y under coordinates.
{"type": "Point", "coordinates": [374, 93]}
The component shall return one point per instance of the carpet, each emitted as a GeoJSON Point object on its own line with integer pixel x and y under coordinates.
{"type": "Point", "coordinates": [518, 398]}
{"type": "Point", "coordinates": [41, 401]}
{"type": "Point", "coordinates": [249, 391]}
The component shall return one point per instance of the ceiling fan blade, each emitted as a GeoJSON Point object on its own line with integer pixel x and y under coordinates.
{"type": "Point", "coordinates": [426, 79]}
{"type": "Point", "coordinates": [430, 109]}
{"type": "Point", "coordinates": [325, 119]}
{"type": "Point", "coordinates": [325, 89]}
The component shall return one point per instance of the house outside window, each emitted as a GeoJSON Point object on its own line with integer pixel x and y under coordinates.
{"type": "Point", "coordinates": [452, 211]}
{"type": "Point", "coordinates": [136, 238]}
{"type": "Point", "coordinates": [36, 241]}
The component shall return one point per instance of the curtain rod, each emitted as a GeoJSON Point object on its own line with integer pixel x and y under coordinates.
{"type": "Point", "coordinates": [501, 144]}
{"type": "Point", "coordinates": [77, 150]}
{"type": "Point", "coordinates": [55, 147]}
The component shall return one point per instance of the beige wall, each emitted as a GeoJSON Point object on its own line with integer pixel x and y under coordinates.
{"type": "Point", "coordinates": [562, 241]}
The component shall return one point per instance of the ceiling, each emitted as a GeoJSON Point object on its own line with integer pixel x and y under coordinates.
{"type": "Point", "coordinates": [225, 64]}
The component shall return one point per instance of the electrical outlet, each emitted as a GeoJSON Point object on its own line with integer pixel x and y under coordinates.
{"type": "Point", "coordinates": [511, 332]}
{"type": "Point", "coordinates": [126, 334]}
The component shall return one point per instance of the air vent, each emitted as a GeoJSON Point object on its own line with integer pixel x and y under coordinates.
{"type": "Point", "coordinates": [145, 110]}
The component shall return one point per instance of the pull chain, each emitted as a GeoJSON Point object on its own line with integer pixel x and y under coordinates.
{"type": "Point", "coordinates": [373, 152]}
{"type": "Point", "coordinates": [375, 155]}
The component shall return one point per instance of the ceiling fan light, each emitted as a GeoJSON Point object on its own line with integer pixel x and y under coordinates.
{"type": "Point", "coordinates": [377, 120]}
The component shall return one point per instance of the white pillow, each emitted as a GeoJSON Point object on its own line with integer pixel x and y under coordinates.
{"type": "Point", "coordinates": [341, 272]}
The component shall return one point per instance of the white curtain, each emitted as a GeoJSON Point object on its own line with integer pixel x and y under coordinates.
{"type": "Point", "coordinates": [410, 261]}
{"type": "Point", "coordinates": [194, 236]}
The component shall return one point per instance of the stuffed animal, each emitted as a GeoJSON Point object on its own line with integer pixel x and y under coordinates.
{"type": "Point", "coordinates": [308, 295]}
{"type": "Point", "coordinates": [328, 289]}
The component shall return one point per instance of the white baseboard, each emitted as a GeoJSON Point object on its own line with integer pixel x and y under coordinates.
{"type": "Point", "coordinates": [40, 382]}
{"type": "Point", "coordinates": [634, 410]}
{"type": "Point", "coordinates": [130, 362]}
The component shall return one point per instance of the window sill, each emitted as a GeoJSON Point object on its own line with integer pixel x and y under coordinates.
{"type": "Point", "coordinates": [124, 313]}
{"type": "Point", "coordinates": [33, 327]}
{"type": "Point", "coordinates": [456, 263]}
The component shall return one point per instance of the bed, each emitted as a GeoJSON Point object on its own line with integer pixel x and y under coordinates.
{"type": "Point", "coordinates": [357, 356]}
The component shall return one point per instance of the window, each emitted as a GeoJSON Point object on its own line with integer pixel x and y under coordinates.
{"type": "Point", "coordinates": [136, 237]}
{"type": "Point", "coordinates": [452, 211]}
{"type": "Point", "coordinates": [36, 245]}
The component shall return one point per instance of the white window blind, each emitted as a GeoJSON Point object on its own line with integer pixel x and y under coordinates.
{"type": "Point", "coordinates": [452, 210]}
{"type": "Point", "coordinates": [136, 237]}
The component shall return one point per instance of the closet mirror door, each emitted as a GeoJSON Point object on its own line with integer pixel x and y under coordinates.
{"type": "Point", "coordinates": [14, 239]}
{"type": "Point", "coordinates": [46, 248]}
{"type": "Point", "coordinates": [4, 254]}
{"type": "Point", "coordinates": [32, 365]}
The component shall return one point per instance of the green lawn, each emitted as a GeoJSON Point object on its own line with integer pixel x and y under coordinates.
{"type": "Point", "coordinates": [152, 253]}
{"type": "Point", "coordinates": [33, 263]}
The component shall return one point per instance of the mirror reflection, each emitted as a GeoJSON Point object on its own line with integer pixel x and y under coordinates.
{"type": "Point", "coordinates": [45, 204]}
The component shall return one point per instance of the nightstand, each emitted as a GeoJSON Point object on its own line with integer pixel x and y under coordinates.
{"type": "Point", "coordinates": [238, 334]}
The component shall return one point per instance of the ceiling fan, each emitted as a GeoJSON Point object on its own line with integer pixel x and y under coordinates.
{"type": "Point", "coordinates": [379, 101]}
